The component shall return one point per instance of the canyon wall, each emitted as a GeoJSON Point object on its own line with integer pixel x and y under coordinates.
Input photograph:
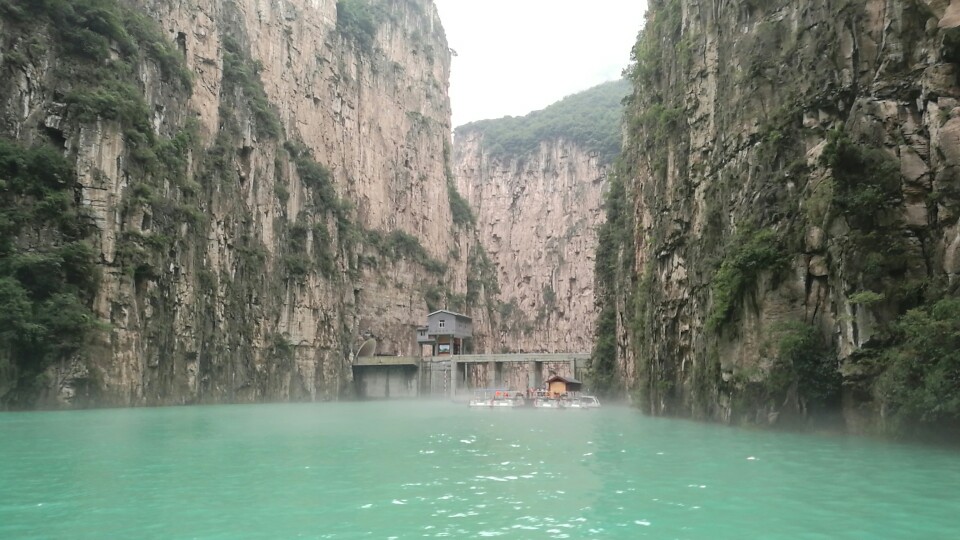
{"type": "Point", "coordinates": [788, 245]}
{"type": "Point", "coordinates": [261, 185]}
{"type": "Point", "coordinates": [537, 218]}
{"type": "Point", "coordinates": [536, 184]}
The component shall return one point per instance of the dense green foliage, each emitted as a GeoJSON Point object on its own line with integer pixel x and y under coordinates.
{"type": "Point", "coordinates": [243, 74]}
{"type": "Point", "coordinates": [399, 245]}
{"type": "Point", "coordinates": [804, 359]}
{"type": "Point", "coordinates": [90, 29]}
{"type": "Point", "coordinates": [749, 253]}
{"type": "Point", "coordinates": [867, 194]}
{"type": "Point", "coordinates": [921, 380]}
{"type": "Point", "coordinates": [302, 259]}
{"type": "Point", "coordinates": [459, 207]}
{"type": "Point", "coordinates": [663, 25]}
{"type": "Point", "coordinates": [48, 272]}
{"type": "Point", "coordinates": [867, 181]}
{"type": "Point", "coordinates": [359, 20]}
{"type": "Point", "coordinates": [85, 33]}
{"type": "Point", "coordinates": [603, 357]}
{"type": "Point", "coordinates": [614, 259]}
{"type": "Point", "coordinates": [591, 118]}
{"type": "Point", "coordinates": [317, 180]}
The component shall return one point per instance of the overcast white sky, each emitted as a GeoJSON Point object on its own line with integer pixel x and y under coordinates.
{"type": "Point", "coordinates": [517, 56]}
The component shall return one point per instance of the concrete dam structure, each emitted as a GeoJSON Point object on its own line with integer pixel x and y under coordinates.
{"type": "Point", "coordinates": [399, 377]}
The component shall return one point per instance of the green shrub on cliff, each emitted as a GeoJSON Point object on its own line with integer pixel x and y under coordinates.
{"type": "Point", "coordinates": [399, 245]}
{"type": "Point", "coordinates": [317, 179]}
{"type": "Point", "coordinates": [921, 380]}
{"type": "Point", "coordinates": [749, 254]}
{"type": "Point", "coordinates": [460, 210]}
{"type": "Point", "coordinates": [482, 276]}
{"type": "Point", "coordinates": [359, 20]}
{"type": "Point", "coordinates": [613, 266]}
{"type": "Point", "coordinates": [867, 181]}
{"type": "Point", "coordinates": [91, 29]}
{"type": "Point", "coordinates": [242, 73]}
{"type": "Point", "coordinates": [48, 272]}
{"type": "Point", "coordinates": [805, 359]}
{"type": "Point", "coordinates": [867, 196]}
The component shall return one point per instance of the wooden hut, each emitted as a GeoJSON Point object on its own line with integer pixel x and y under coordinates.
{"type": "Point", "coordinates": [558, 386]}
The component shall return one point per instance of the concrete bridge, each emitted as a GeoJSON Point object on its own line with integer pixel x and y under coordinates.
{"type": "Point", "coordinates": [416, 376]}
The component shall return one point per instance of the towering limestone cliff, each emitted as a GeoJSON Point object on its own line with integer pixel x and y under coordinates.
{"type": "Point", "coordinates": [536, 186]}
{"type": "Point", "coordinates": [213, 200]}
{"type": "Point", "coordinates": [788, 242]}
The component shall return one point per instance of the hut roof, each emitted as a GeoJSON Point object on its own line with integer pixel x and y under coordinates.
{"type": "Point", "coordinates": [568, 380]}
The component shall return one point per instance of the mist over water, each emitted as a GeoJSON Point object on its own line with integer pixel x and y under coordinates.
{"type": "Point", "coordinates": [441, 470]}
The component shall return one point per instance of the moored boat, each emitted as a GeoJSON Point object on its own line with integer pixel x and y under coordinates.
{"type": "Point", "coordinates": [549, 403]}
{"type": "Point", "coordinates": [565, 401]}
{"type": "Point", "coordinates": [584, 402]}
{"type": "Point", "coordinates": [496, 398]}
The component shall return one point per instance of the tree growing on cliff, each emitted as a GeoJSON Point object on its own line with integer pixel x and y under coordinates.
{"type": "Point", "coordinates": [358, 20]}
{"type": "Point", "coordinates": [614, 263]}
{"type": "Point", "coordinates": [48, 272]}
{"type": "Point", "coordinates": [750, 253]}
{"type": "Point", "coordinates": [922, 377]}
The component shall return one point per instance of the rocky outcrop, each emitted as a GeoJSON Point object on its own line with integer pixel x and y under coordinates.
{"type": "Point", "coordinates": [792, 194]}
{"type": "Point", "coordinates": [537, 218]}
{"type": "Point", "coordinates": [277, 190]}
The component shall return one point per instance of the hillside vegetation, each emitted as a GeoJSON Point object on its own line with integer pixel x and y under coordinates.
{"type": "Point", "coordinates": [591, 119]}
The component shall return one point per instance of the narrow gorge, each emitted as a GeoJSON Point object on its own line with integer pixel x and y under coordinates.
{"type": "Point", "coordinates": [536, 185]}
{"type": "Point", "coordinates": [210, 201]}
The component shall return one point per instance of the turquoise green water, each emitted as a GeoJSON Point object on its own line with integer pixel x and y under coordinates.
{"type": "Point", "coordinates": [424, 470]}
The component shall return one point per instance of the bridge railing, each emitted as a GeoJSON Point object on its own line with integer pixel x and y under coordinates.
{"type": "Point", "coordinates": [579, 358]}
{"type": "Point", "coordinates": [521, 357]}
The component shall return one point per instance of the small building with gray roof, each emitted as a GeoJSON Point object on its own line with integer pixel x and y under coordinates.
{"type": "Point", "coordinates": [445, 332]}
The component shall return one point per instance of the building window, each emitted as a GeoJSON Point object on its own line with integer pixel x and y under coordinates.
{"type": "Point", "coordinates": [443, 323]}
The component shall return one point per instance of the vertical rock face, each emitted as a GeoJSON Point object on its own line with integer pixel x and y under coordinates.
{"type": "Point", "coordinates": [267, 184]}
{"type": "Point", "coordinates": [792, 194]}
{"type": "Point", "coordinates": [537, 217]}
{"type": "Point", "coordinates": [536, 184]}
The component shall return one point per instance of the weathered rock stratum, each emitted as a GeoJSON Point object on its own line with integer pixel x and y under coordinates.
{"type": "Point", "coordinates": [537, 217]}
{"type": "Point", "coordinates": [790, 242]}
{"type": "Point", "coordinates": [255, 186]}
